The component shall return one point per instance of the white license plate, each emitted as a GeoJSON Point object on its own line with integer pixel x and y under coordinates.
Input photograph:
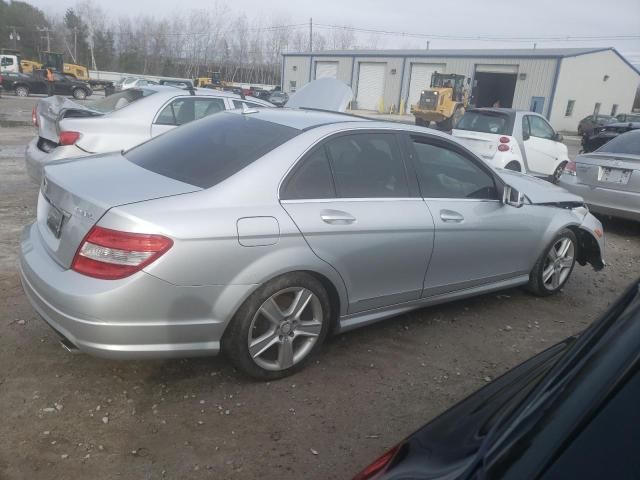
{"type": "Point", "coordinates": [614, 175]}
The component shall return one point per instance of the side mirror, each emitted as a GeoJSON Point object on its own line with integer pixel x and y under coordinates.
{"type": "Point", "coordinates": [558, 138]}
{"type": "Point", "coordinates": [512, 197]}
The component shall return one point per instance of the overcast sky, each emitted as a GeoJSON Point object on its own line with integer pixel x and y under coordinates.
{"type": "Point", "coordinates": [501, 18]}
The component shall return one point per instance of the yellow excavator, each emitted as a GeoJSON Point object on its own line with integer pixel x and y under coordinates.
{"type": "Point", "coordinates": [444, 102]}
{"type": "Point", "coordinates": [54, 60]}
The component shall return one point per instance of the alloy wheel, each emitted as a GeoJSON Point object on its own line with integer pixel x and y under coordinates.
{"type": "Point", "coordinates": [558, 264]}
{"type": "Point", "coordinates": [285, 328]}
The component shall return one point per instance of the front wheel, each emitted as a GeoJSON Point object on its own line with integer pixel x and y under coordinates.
{"type": "Point", "coordinates": [554, 267]}
{"type": "Point", "coordinates": [279, 327]}
{"type": "Point", "coordinates": [22, 91]}
{"type": "Point", "coordinates": [79, 94]}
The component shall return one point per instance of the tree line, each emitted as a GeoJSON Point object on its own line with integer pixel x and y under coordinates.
{"type": "Point", "coordinates": [188, 44]}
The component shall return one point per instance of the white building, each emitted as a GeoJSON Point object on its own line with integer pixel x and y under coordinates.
{"type": "Point", "coordinates": [564, 84]}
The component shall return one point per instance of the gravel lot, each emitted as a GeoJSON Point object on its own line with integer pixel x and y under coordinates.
{"type": "Point", "coordinates": [77, 417]}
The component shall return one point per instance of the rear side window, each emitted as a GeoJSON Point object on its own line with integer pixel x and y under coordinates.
{"type": "Point", "coordinates": [119, 100]}
{"type": "Point", "coordinates": [367, 165]}
{"type": "Point", "coordinates": [239, 103]}
{"type": "Point", "coordinates": [627, 143]}
{"type": "Point", "coordinates": [312, 180]}
{"type": "Point", "coordinates": [206, 152]}
{"type": "Point", "coordinates": [486, 122]}
{"type": "Point", "coordinates": [185, 110]}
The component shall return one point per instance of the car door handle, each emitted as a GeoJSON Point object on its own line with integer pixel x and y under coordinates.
{"type": "Point", "coordinates": [336, 217]}
{"type": "Point", "coordinates": [451, 216]}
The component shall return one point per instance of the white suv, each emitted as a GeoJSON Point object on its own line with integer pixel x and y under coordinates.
{"type": "Point", "coordinates": [515, 140]}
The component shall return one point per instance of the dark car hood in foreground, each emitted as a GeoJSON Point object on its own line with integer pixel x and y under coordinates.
{"type": "Point", "coordinates": [448, 445]}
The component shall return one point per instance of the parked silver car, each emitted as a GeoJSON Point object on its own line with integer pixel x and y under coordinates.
{"type": "Point", "coordinates": [259, 232]}
{"type": "Point", "coordinates": [609, 178]}
{"type": "Point", "coordinates": [68, 129]}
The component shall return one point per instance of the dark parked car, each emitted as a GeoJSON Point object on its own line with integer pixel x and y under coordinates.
{"type": "Point", "coordinates": [570, 412]}
{"type": "Point", "coordinates": [279, 99]}
{"type": "Point", "coordinates": [601, 135]}
{"type": "Point", "coordinates": [587, 124]}
{"type": "Point", "coordinates": [23, 85]}
{"type": "Point", "coordinates": [628, 117]}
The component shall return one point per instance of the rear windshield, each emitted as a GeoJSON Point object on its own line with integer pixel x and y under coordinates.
{"type": "Point", "coordinates": [627, 143]}
{"type": "Point", "coordinates": [206, 152]}
{"type": "Point", "coordinates": [119, 100]}
{"type": "Point", "coordinates": [486, 122]}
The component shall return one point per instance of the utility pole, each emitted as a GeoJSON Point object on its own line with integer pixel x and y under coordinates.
{"type": "Point", "coordinates": [46, 30]}
{"type": "Point", "coordinates": [311, 35]}
{"type": "Point", "coordinates": [75, 43]}
{"type": "Point", "coordinates": [14, 35]}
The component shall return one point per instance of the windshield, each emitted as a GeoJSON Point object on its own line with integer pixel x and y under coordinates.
{"type": "Point", "coordinates": [627, 143]}
{"type": "Point", "coordinates": [206, 152]}
{"type": "Point", "coordinates": [485, 122]}
{"type": "Point", "coordinates": [119, 100]}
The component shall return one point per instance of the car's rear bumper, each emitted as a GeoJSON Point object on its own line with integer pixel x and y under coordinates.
{"type": "Point", "coordinates": [603, 200]}
{"type": "Point", "coordinates": [137, 317]}
{"type": "Point", "coordinates": [36, 159]}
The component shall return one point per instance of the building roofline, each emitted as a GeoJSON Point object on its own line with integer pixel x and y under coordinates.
{"type": "Point", "coordinates": [466, 53]}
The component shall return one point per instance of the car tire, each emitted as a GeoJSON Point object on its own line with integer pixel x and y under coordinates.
{"type": "Point", "coordinates": [555, 176]}
{"type": "Point", "coordinates": [79, 94]}
{"type": "Point", "coordinates": [22, 91]}
{"type": "Point", "coordinates": [268, 338]}
{"type": "Point", "coordinates": [515, 166]}
{"type": "Point", "coordinates": [555, 265]}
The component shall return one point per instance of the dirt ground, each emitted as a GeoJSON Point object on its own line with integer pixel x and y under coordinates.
{"type": "Point", "coordinates": [77, 417]}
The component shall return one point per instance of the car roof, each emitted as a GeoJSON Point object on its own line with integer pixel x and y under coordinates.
{"type": "Point", "coordinates": [301, 118]}
{"type": "Point", "coordinates": [169, 91]}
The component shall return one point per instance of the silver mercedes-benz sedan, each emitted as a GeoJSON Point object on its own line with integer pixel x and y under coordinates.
{"type": "Point", "coordinates": [609, 178]}
{"type": "Point", "coordinates": [260, 232]}
{"type": "Point", "coordinates": [68, 129]}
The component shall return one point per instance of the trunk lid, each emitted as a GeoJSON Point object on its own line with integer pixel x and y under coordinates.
{"type": "Point", "coordinates": [51, 110]}
{"type": "Point", "coordinates": [75, 194]}
{"type": "Point", "coordinates": [482, 144]}
{"type": "Point", "coordinates": [609, 170]}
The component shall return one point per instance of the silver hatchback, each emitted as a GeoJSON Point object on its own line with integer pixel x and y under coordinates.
{"type": "Point", "coordinates": [260, 232]}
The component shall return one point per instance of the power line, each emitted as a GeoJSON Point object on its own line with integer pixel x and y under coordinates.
{"type": "Point", "coordinates": [490, 38]}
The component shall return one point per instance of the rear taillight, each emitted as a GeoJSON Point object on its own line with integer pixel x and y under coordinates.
{"type": "Point", "coordinates": [377, 466]}
{"type": "Point", "coordinates": [504, 139]}
{"type": "Point", "coordinates": [503, 147]}
{"type": "Point", "coordinates": [68, 138]}
{"type": "Point", "coordinates": [111, 254]}
{"type": "Point", "coordinates": [570, 168]}
{"type": "Point", "coordinates": [34, 117]}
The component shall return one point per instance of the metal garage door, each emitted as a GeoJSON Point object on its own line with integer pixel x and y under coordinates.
{"type": "Point", "coordinates": [371, 85]}
{"type": "Point", "coordinates": [326, 69]}
{"type": "Point", "coordinates": [421, 79]}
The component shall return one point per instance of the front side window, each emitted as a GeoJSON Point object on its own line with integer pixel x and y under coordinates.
{"type": "Point", "coordinates": [540, 128]}
{"type": "Point", "coordinates": [6, 61]}
{"type": "Point", "coordinates": [368, 165]}
{"type": "Point", "coordinates": [445, 173]}
{"type": "Point", "coordinates": [312, 180]}
{"type": "Point", "coordinates": [185, 110]}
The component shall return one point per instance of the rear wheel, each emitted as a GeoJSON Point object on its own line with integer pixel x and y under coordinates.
{"type": "Point", "coordinates": [279, 327]}
{"type": "Point", "coordinates": [79, 94]}
{"type": "Point", "coordinates": [554, 267]}
{"type": "Point", "coordinates": [555, 177]}
{"type": "Point", "coordinates": [22, 91]}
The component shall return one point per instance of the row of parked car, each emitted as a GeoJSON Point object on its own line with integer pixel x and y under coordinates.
{"type": "Point", "coordinates": [258, 232]}
{"type": "Point", "coordinates": [23, 84]}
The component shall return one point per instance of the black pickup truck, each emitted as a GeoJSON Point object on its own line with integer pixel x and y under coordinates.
{"type": "Point", "coordinates": [23, 85]}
